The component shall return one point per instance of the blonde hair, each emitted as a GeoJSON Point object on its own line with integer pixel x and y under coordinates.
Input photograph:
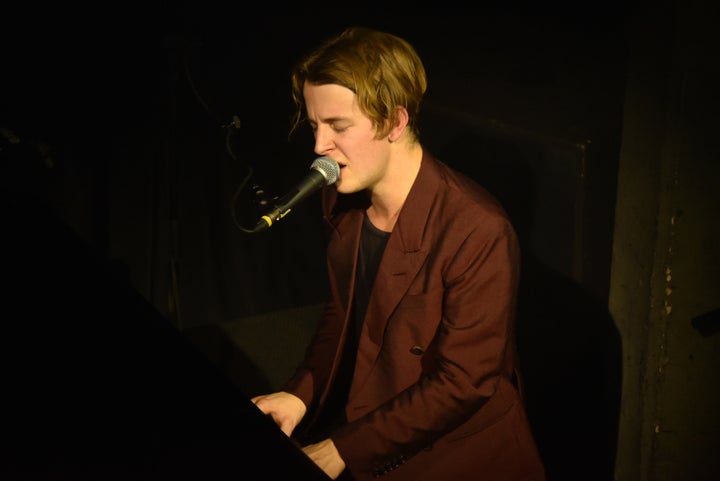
{"type": "Point", "coordinates": [383, 70]}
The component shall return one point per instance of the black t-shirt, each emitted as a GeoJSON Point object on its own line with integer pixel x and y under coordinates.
{"type": "Point", "coordinates": [372, 246]}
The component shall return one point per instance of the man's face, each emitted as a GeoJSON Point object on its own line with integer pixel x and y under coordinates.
{"type": "Point", "coordinates": [345, 134]}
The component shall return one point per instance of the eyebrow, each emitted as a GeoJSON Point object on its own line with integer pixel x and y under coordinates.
{"type": "Point", "coordinates": [331, 120]}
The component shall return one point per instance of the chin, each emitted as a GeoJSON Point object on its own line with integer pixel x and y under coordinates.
{"type": "Point", "coordinates": [345, 187]}
{"type": "Point", "coordinates": [340, 187]}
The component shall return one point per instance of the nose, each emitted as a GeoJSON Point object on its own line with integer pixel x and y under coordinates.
{"type": "Point", "coordinates": [323, 140]}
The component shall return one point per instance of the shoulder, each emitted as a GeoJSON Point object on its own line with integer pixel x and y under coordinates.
{"type": "Point", "coordinates": [464, 196]}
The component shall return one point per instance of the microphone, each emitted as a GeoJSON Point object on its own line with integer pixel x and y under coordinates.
{"type": "Point", "coordinates": [323, 171]}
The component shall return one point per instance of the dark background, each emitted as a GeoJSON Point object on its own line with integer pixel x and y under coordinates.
{"type": "Point", "coordinates": [154, 117]}
{"type": "Point", "coordinates": [143, 129]}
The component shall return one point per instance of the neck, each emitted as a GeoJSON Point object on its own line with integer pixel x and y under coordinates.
{"type": "Point", "coordinates": [387, 202]}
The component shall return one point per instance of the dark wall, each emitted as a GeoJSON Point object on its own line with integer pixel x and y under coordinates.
{"type": "Point", "coordinates": [147, 129]}
{"type": "Point", "coordinates": [138, 109]}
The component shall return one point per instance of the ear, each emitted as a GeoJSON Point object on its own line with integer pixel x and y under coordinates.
{"type": "Point", "coordinates": [401, 121]}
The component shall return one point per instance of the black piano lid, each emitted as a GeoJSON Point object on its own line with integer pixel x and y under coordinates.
{"type": "Point", "coordinates": [97, 384]}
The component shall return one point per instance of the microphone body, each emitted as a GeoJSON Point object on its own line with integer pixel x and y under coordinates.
{"type": "Point", "coordinates": [323, 171]}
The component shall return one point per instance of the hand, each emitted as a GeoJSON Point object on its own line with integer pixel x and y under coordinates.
{"type": "Point", "coordinates": [325, 455]}
{"type": "Point", "coordinates": [287, 410]}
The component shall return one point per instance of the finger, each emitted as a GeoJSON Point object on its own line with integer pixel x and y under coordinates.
{"type": "Point", "coordinates": [287, 428]}
{"type": "Point", "coordinates": [263, 407]}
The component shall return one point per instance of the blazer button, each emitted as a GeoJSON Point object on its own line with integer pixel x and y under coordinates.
{"type": "Point", "coordinates": [417, 350]}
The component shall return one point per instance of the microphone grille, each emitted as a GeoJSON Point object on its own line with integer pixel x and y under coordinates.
{"type": "Point", "coordinates": [328, 168]}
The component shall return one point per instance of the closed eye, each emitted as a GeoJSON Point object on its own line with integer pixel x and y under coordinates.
{"type": "Point", "coordinates": [339, 126]}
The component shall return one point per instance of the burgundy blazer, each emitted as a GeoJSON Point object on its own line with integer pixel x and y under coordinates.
{"type": "Point", "coordinates": [436, 393]}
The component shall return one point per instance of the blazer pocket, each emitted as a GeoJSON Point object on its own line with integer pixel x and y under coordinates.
{"type": "Point", "coordinates": [422, 300]}
{"type": "Point", "coordinates": [419, 301]}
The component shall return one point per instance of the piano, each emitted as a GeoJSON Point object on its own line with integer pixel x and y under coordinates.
{"type": "Point", "coordinates": [97, 385]}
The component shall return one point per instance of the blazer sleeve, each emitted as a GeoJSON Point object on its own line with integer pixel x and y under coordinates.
{"type": "Point", "coordinates": [314, 370]}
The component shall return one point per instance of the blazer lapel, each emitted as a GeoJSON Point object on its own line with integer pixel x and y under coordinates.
{"type": "Point", "coordinates": [344, 249]}
{"type": "Point", "coordinates": [398, 268]}
{"type": "Point", "coordinates": [405, 254]}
